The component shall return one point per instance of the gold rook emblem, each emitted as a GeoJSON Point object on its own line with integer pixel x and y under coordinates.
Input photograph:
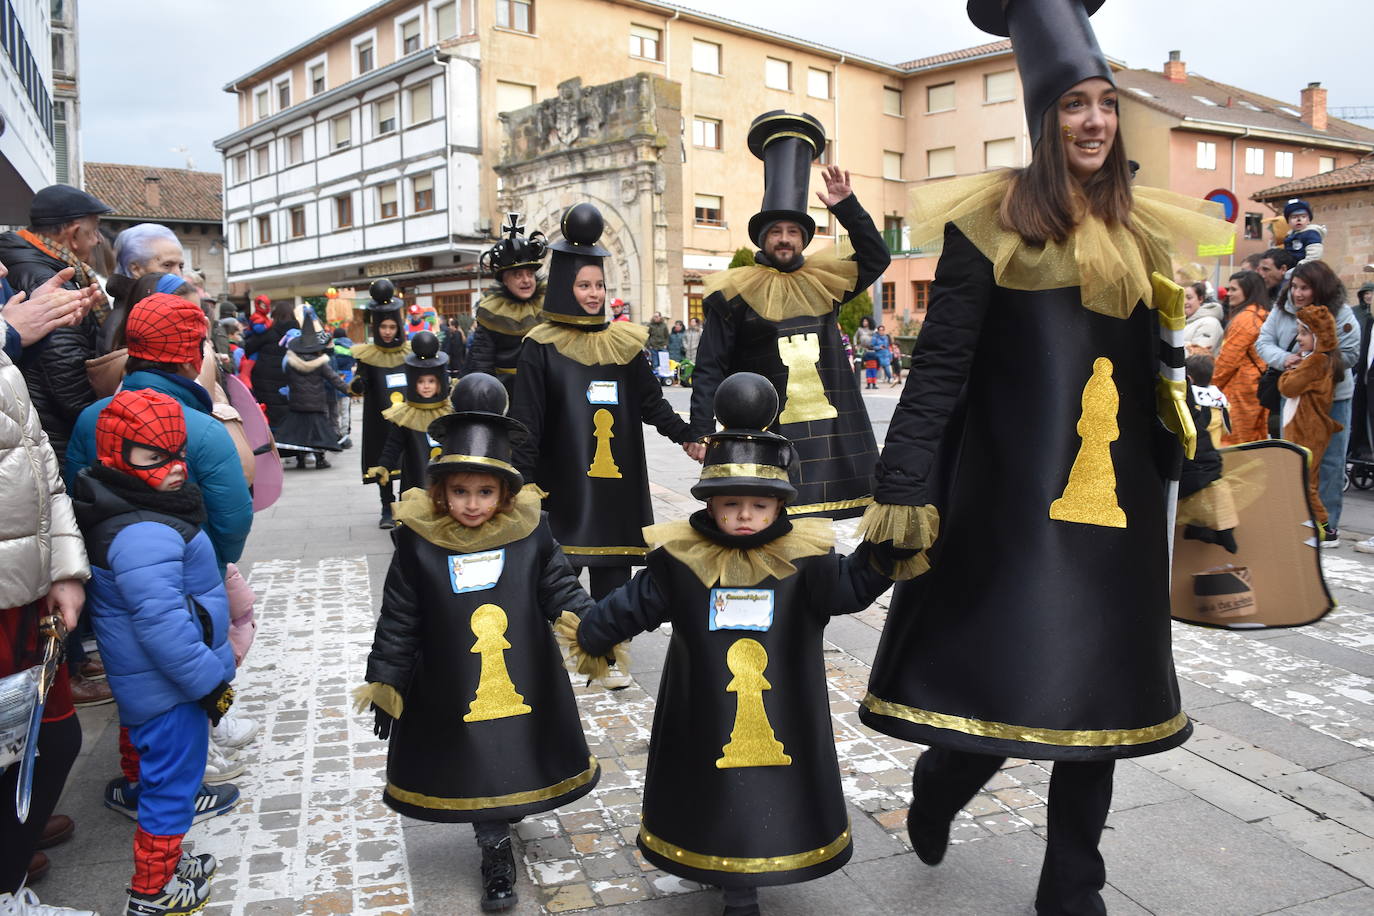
{"type": "Point", "coordinates": [1090, 496]}
{"type": "Point", "coordinates": [806, 398]}
{"type": "Point", "coordinates": [752, 743]}
{"type": "Point", "coordinates": [496, 697]}
{"type": "Point", "coordinates": [603, 465]}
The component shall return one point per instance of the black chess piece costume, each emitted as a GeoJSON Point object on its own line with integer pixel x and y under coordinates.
{"type": "Point", "coordinates": [502, 319]}
{"type": "Point", "coordinates": [408, 444]}
{"type": "Point", "coordinates": [381, 380]}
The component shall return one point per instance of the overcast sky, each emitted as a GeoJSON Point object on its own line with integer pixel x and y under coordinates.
{"type": "Point", "coordinates": [151, 82]}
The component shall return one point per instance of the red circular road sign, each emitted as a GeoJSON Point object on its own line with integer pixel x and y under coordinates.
{"type": "Point", "coordinates": [1230, 207]}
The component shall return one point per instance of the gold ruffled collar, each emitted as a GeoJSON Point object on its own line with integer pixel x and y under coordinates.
{"type": "Point", "coordinates": [503, 315]}
{"type": "Point", "coordinates": [381, 357]}
{"type": "Point", "coordinates": [812, 289]}
{"type": "Point", "coordinates": [415, 511]}
{"type": "Point", "coordinates": [417, 416]}
{"type": "Point", "coordinates": [732, 567]}
{"type": "Point", "coordinates": [1111, 264]}
{"type": "Point", "coordinates": [614, 345]}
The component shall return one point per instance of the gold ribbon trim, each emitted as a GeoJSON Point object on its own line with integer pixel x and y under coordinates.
{"type": "Point", "coordinates": [834, 506]}
{"type": "Point", "coordinates": [475, 459]}
{"type": "Point", "coordinates": [415, 511]}
{"type": "Point", "coordinates": [812, 289]}
{"type": "Point", "coordinates": [740, 865]}
{"type": "Point", "coordinates": [383, 696]}
{"type": "Point", "coordinates": [908, 528]}
{"type": "Point", "coordinates": [528, 797]}
{"type": "Point", "coordinates": [767, 471]}
{"type": "Point", "coordinates": [381, 357]}
{"type": "Point", "coordinates": [417, 416]}
{"type": "Point", "coordinates": [1057, 737]}
{"type": "Point", "coordinates": [579, 320]}
{"type": "Point", "coordinates": [504, 315]}
{"type": "Point", "coordinates": [606, 551]}
{"type": "Point", "coordinates": [732, 567]}
{"type": "Point", "coordinates": [594, 667]}
{"type": "Point", "coordinates": [614, 345]}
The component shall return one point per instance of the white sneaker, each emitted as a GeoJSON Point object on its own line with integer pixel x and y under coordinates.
{"type": "Point", "coordinates": [234, 731]}
{"type": "Point", "coordinates": [221, 766]}
{"type": "Point", "coordinates": [616, 679]}
{"type": "Point", "coordinates": [25, 903]}
{"type": "Point", "coordinates": [1365, 546]}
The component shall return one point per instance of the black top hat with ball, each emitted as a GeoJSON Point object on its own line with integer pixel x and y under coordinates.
{"type": "Point", "coordinates": [787, 143]}
{"type": "Point", "coordinates": [477, 437]}
{"type": "Point", "coordinates": [424, 358]}
{"type": "Point", "coordinates": [515, 250]}
{"type": "Point", "coordinates": [581, 227]}
{"type": "Point", "coordinates": [744, 458]}
{"type": "Point", "coordinates": [384, 305]}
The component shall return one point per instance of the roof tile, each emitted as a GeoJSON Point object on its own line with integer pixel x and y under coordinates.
{"type": "Point", "coordinates": [951, 57]}
{"type": "Point", "coordinates": [182, 193]}
{"type": "Point", "coordinates": [1361, 174]}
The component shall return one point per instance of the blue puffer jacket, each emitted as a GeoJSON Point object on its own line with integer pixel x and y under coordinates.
{"type": "Point", "coordinates": [211, 458]}
{"type": "Point", "coordinates": [157, 602]}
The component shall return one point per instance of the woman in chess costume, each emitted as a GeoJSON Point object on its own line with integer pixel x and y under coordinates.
{"type": "Point", "coordinates": [1036, 436]}
{"type": "Point", "coordinates": [511, 306]}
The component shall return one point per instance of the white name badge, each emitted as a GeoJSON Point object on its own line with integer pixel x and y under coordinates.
{"type": "Point", "coordinates": [603, 393]}
{"type": "Point", "coordinates": [474, 572]}
{"type": "Point", "coordinates": [741, 609]}
{"type": "Point", "coordinates": [395, 380]}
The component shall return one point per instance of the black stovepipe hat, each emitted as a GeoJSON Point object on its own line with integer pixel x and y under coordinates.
{"type": "Point", "coordinates": [477, 437]}
{"type": "Point", "coordinates": [384, 305]}
{"type": "Point", "coordinates": [581, 227]}
{"type": "Point", "coordinates": [787, 143]}
{"type": "Point", "coordinates": [744, 458]}
{"type": "Point", "coordinates": [424, 358]}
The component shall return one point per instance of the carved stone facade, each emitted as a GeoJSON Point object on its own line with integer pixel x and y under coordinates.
{"type": "Point", "coordinates": [619, 146]}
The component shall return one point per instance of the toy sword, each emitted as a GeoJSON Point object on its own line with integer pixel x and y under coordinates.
{"type": "Point", "coordinates": [56, 633]}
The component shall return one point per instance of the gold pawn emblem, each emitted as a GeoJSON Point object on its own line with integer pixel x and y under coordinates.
{"type": "Point", "coordinates": [496, 697]}
{"type": "Point", "coordinates": [603, 465]}
{"type": "Point", "coordinates": [1090, 496]}
{"type": "Point", "coordinates": [752, 743]}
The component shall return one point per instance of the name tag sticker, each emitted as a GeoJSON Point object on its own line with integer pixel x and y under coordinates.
{"type": "Point", "coordinates": [395, 380]}
{"type": "Point", "coordinates": [741, 609]}
{"type": "Point", "coordinates": [603, 393]}
{"type": "Point", "coordinates": [475, 572]}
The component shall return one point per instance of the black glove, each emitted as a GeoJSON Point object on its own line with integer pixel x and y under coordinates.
{"type": "Point", "coordinates": [381, 722]}
{"type": "Point", "coordinates": [1225, 539]}
{"type": "Point", "coordinates": [217, 702]}
{"type": "Point", "coordinates": [883, 556]}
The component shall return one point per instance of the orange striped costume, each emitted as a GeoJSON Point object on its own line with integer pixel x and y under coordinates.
{"type": "Point", "coordinates": [1237, 372]}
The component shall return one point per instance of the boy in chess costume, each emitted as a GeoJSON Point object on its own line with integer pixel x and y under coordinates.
{"type": "Point", "coordinates": [408, 445]}
{"type": "Point", "coordinates": [465, 678]}
{"type": "Point", "coordinates": [381, 381]}
{"type": "Point", "coordinates": [742, 788]}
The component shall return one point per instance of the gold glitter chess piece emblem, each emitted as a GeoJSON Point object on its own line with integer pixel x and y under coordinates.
{"type": "Point", "coordinates": [1090, 496]}
{"type": "Point", "coordinates": [752, 743]}
{"type": "Point", "coordinates": [603, 465]}
{"type": "Point", "coordinates": [496, 697]}
{"type": "Point", "coordinates": [806, 398]}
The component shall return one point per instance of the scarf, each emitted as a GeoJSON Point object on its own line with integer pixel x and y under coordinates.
{"type": "Point", "coordinates": [185, 503]}
{"type": "Point", "coordinates": [85, 274]}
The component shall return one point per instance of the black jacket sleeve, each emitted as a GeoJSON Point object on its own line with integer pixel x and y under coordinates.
{"type": "Point", "coordinates": [62, 356]}
{"type": "Point", "coordinates": [654, 408]}
{"type": "Point", "coordinates": [714, 355]}
{"type": "Point", "coordinates": [527, 406]}
{"type": "Point", "coordinates": [870, 251]}
{"type": "Point", "coordinates": [333, 378]}
{"type": "Point", "coordinates": [636, 607]}
{"type": "Point", "coordinates": [851, 582]}
{"type": "Point", "coordinates": [959, 300]}
{"type": "Point", "coordinates": [481, 351]}
{"type": "Point", "coordinates": [396, 642]}
{"type": "Point", "coordinates": [559, 589]}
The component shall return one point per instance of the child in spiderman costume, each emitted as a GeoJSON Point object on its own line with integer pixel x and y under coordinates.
{"type": "Point", "coordinates": [161, 617]}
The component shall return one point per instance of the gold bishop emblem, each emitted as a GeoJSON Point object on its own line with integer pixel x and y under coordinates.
{"type": "Point", "coordinates": [496, 697]}
{"type": "Point", "coordinates": [1090, 496]}
{"type": "Point", "coordinates": [752, 742]}
{"type": "Point", "coordinates": [603, 464]}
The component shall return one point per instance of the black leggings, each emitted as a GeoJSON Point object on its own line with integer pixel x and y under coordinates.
{"type": "Point", "coordinates": [58, 744]}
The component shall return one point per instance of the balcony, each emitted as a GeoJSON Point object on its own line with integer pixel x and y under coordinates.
{"type": "Point", "coordinates": [893, 239]}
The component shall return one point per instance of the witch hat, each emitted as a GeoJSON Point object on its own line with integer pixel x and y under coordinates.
{"type": "Point", "coordinates": [308, 343]}
{"type": "Point", "coordinates": [744, 458]}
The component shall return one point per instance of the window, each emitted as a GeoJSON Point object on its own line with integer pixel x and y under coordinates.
{"type": "Point", "coordinates": [888, 294]}
{"type": "Point", "coordinates": [410, 36]}
{"type": "Point", "coordinates": [283, 95]}
{"type": "Point", "coordinates": [295, 148]}
{"type": "Point", "coordinates": [515, 14]}
{"type": "Point", "coordinates": [1206, 154]}
{"type": "Point", "coordinates": [264, 230]}
{"type": "Point", "coordinates": [59, 53]}
{"type": "Point", "coordinates": [892, 101]}
{"type": "Point", "coordinates": [341, 131]}
{"type": "Point", "coordinates": [446, 21]}
{"type": "Point", "coordinates": [999, 154]}
{"type": "Point", "coordinates": [999, 87]}
{"type": "Point", "coordinates": [386, 201]}
{"type": "Point", "coordinates": [510, 96]}
{"type": "Point", "coordinates": [706, 133]}
{"type": "Point", "coordinates": [777, 74]}
{"type": "Point", "coordinates": [1254, 226]}
{"type": "Point", "coordinates": [710, 210]}
{"type": "Point", "coordinates": [1326, 164]}
{"type": "Point", "coordinates": [384, 114]}
{"type": "Point", "coordinates": [242, 242]}
{"type": "Point", "coordinates": [817, 83]}
{"type": "Point", "coordinates": [422, 192]}
{"type": "Point", "coordinates": [1283, 165]}
{"type": "Point", "coordinates": [421, 103]}
{"type": "Point", "coordinates": [892, 165]}
{"type": "Point", "coordinates": [343, 211]}
{"type": "Point", "coordinates": [297, 222]}
{"type": "Point", "coordinates": [453, 304]}
{"type": "Point", "coordinates": [827, 155]}
{"type": "Point", "coordinates": [940, 162]}
{"type": "Point", "coordinates": [363, 50]}
{"type": "Point", "coordinates": [238, 168]}
{"type": "Point", "coordinates": [645, 42]}
{"type": "Point", "coordinates": [262, 160]}
{"type": "Point", "coordinates": [822, 217]}
{"type": "Point", "coordinates": [260, 104]}
{"type": "Point", "coordinates": [940, 98]}
{"type": "Point", "coordinates": [317, 79]}
{"type": "Point", "coordinates": [1254, 160]}
{"type": "Point", "coordinates": [705, 56]}
{"type": "Point", "coordinates": [920, 295]}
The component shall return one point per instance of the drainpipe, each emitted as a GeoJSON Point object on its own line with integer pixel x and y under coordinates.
{"type": "Point", "coordinates": [667, 44]}
{"type": "Point", "coordinates": [1217, 282]}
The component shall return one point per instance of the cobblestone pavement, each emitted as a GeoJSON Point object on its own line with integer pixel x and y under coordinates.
{"type": "Point", "coordinates": [1266, 810]}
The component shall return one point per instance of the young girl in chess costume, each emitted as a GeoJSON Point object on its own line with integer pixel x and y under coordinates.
{"type": "Point", "coordinates": [742, 787]}
{"type": "Point", "coordinates": [465, 678]}
{"type": "Point", "coordinates": [381, 381]}
{"type": "Point", "coordinates": [583, 390]}
{"type": "Point", "coordinates": [408, 445]}
{"type": "Point", "coordinates": [510, 307]}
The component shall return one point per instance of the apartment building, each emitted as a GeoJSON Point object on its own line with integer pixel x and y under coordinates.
{"type": "Point", "coordinates": [66, 93]}
{"type": "Point", "coordinates": [26, 106]}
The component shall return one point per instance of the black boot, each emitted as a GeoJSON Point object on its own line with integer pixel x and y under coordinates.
{"type": "Point", "coordinates": [320, 461]}
{"type": "Point", "coordinates": [386, 523]}
{"type": "Point", "coordinates": [929, 836]}
{"type": "Point", "coordinates": [498, 877]}
{"type": "Point", "coordinates": [300, 462]}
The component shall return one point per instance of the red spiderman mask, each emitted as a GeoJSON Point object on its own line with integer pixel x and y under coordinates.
{"type": "Point", "coordinates": [142, 418]}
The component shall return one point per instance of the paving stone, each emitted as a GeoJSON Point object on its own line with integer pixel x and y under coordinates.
{"type": "Point", "coordinates": [1280, 736]}
{"type": "Point", "coordinates": [1358, 902]}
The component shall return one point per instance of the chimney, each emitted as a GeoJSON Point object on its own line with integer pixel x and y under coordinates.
{"type": "Point", "coordinates": [1175, 70]}
{"type": "Point", "coordinates": [1314, 106]}
{"type": "Point", "coordinates": [152, 191]}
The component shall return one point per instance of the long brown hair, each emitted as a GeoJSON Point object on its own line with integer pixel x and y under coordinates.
{"type": "Point", "coordinates": [1253, 289]}
{"type": "Point", "coordinates": [1041, 206]}
{"type": "Point", "coordinates": [1327, 291]}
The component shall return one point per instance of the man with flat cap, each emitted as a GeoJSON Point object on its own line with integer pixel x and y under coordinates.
{"type": "Point", "coordinates": [62, 233]}
{"type": "Point", "coordinates": [777, 317]}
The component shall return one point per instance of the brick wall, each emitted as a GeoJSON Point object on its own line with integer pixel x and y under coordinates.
{"type": "Point", "coordinates": [1349, 220]}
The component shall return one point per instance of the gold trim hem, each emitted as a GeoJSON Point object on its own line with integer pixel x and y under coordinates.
{"type": "Point", "coordinates": [766, 471]}
{"type": "Point", "coordinates": [1057, 737]}
{"type": "Point", "coordinates": [606, 551]}
{"type": "Point", "coordinates": [835, 506]}
{"type": "Point", "coordinates": [528, 797]}
{"type": "Point", "coordinates": [474, 459]}
{"type": "Point", "coordinates": [744, 865]}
